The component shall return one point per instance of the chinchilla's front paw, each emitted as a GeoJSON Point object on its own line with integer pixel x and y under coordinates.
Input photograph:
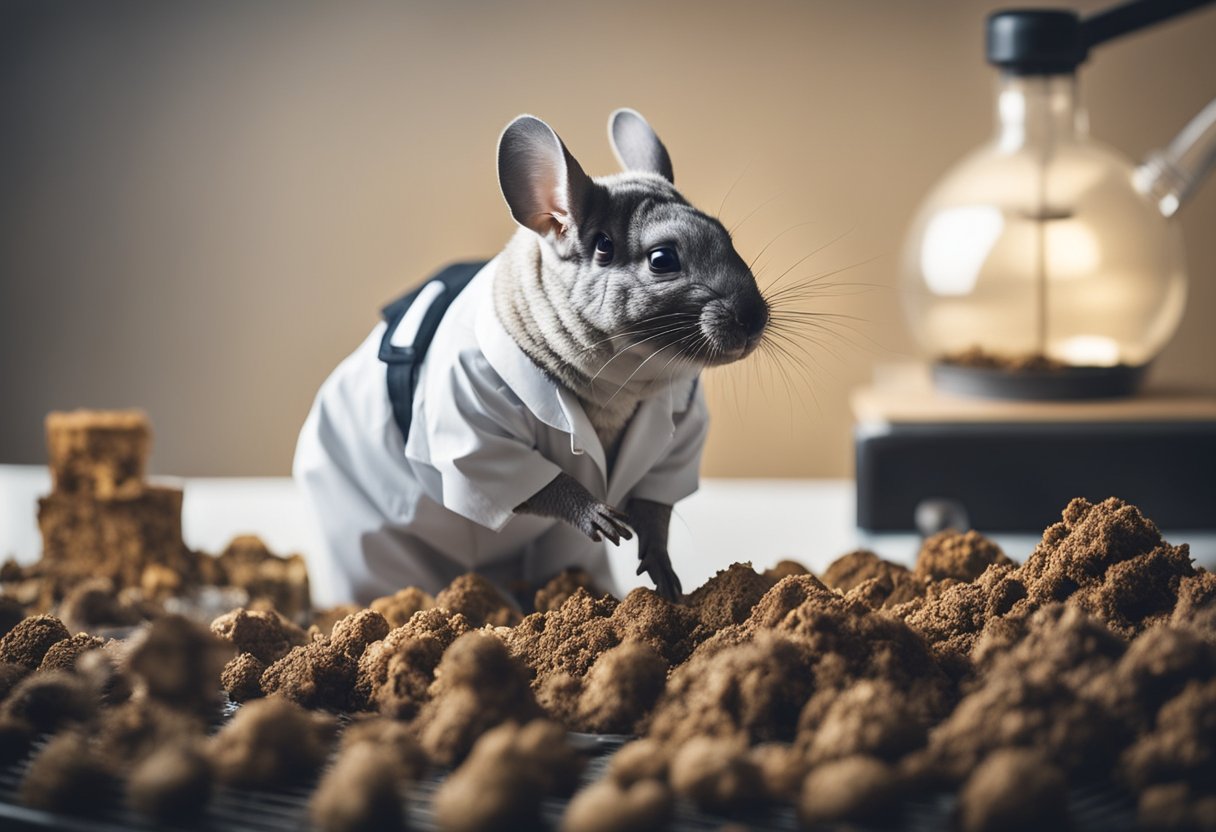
{"type": "Point", "coordinates": [600, 521]}
{"type": "Point", "coordinates": [657, 563]}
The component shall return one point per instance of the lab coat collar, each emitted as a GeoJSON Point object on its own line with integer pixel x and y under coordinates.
{"type": "Point", "coordinates": [552, 403]}
{"type": "Point", "coordinates": [649, 432]}
{"type": "Point", "coordinates": [535, 389]}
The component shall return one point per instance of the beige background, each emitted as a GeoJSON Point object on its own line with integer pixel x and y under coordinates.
{"type": "Point", "coordinates": [203, 205]}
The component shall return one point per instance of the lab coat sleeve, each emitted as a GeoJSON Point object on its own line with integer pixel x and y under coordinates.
{"type": "Point", "coordinates": [677, 473]}
{"type": "Point", "coordinates": [482, 442]}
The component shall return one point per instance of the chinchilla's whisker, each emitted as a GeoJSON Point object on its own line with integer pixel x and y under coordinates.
{"type": "Point", "coordinates": [803, 330]}
{"type": "Point", "coordinates": [792, 389]}
{"type": "Point", "coordinates": [642, 330]}
{"type": "Point", "coordinates": [731, 231]}
{"type": "Point", "coordinates": [806, 257]}
{"type": "Point", "coordinates": [785, 362]}
{"type": "Point", "coordinates": [816, 281]}
{"type": "Point", "coordinates": [804, 341]}
{"type": "Point", "coordinates": [765, 360]}
{"type": "Point", "coordinates": [659, 375]}
{"type": "Point", "coordinates": [767, 245]}
{"type": "Point", "coordinates": [638, 369]}
{"type": "Point", "coordinates": [808, 377]}
{"type": "Point", "coordinates": [796, 293]}
{"type": "Point", "coordinates": [820, 340]}
{"type": "Point", "coordinates": [683, 352]}
{"type": "Point", "coordinates": [731, 189]}
{"type": "Point", "coordinates": [623, 350]}
{"type": "Point", "coordinates": [833, 272]}
{"type": "Point", "coordinates": [802, 327]}
{"type": "Point", "coordinates": [825, 344]}
{"type": "Point", "coordinates": [776, 363]}
{"type": "Point", "coordinates": [820, 316]}
{"type": "Point", "coordinates": [794, 344]}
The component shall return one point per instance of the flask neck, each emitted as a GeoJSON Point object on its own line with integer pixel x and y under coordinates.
{"type": "Point", "coordinates": [1038, 110]}
{"type": "Point", "coordinates": [1168, 176]}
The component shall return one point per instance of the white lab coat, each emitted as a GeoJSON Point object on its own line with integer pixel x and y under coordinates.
{"type": "Point", "coordinates": [489, 430]}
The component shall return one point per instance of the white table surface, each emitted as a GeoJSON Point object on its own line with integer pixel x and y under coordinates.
{"type": "Point", "coordinates": [763, 521]}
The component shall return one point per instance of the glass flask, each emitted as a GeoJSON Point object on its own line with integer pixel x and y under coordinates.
{"type": "Point", "coordinates": [1044, 264]}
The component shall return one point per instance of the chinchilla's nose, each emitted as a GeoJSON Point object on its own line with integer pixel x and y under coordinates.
{"type": "Point", "coordinates": [751, 311]}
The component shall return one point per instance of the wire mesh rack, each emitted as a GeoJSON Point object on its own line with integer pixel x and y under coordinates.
{"type": "Point", "coordinates": [1092, 809]}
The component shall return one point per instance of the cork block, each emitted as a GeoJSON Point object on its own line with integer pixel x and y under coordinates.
{"type": "Point", "coordinates": [281, 582]}
{"type": "Point", "coordinates": [100, 454]}
{"type": "Point", "coordinates": [116, 539]}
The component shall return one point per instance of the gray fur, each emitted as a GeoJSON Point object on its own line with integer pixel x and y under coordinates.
{"type": "Point", "coordinates": [566, 499]}
{"type": "Point", "coordinates": [652, 521]}
{"type": "Point", "coordinates": [636, 146]}
{"type": "Point", "coordinates": [541, 181]}
{"type": "Point", "coordinates": [615, 333]}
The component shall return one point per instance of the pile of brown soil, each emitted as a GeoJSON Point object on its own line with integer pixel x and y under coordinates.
{"type": "Point", "coordinates": [501, 785]}
{"type": "Point", "coordinates": [270, 743]}
{"type": "Point", "coordinates": [97, 603]}
{"type": "Point", "coordinates": [1111, 561]}
{"type": "Point", "coordinates": [400, 607]}
{"type": "Point", "coordinates": [264, 634]}
{"type": "Point", "coordinates": [620, 689]}
{"type": "Point", "coordinates": [395, 673]}
{"type": "Point", "coordinates": [479, 601]}
{"type": "Point", "coordinates": [361, 790]}
{"type": "Point", "coordinates": [560, 646]}
{"type": "Point", "coordinates": [172, 784]}
{"type": "Point", "coordinates": [28, 642]}
{"type": "Point", "coordinates": [568, 639]}
{"type": "Point", "coordinates": [323, 672]}
{"type": "Point", "coordinates": [1094, 661]}
{"type": "Point", "coordinates": [137, 710]}
{"type": "Point", "coordinates": [959, 556]}
{"type": "Point", "coordinates": [48, 701]}
{"type": "Point", "coordinates": [775, 676]}
{"type": "Point", "coordinates": [477, 686]}
{"type": "Point", "coordinates": [728, 597]}
{"type": "Point", "coordinates": [633, 795]}
{"type": "Point", "coordinates": [1014, 788]}
{"type": "Point", "coordinates": [112, 543]}
{"type": "Point", "coordinates": [270, 581]}
{"type": "Point", "coordinates": [1106, 559]}
{"type": "Point", "coordinates": [69, 775]}
{"type": "Point", "coordinates": [177, 662]}
{"type": "Point", "coordinates": [559, 589]}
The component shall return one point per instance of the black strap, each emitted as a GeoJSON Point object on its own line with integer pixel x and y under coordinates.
{"type": "Point", "coordinates": [404, 362]}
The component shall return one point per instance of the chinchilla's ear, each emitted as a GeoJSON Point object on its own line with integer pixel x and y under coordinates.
{"type": "Point", "coordinates": [636, 146]}
{"type": "Point", "coordinates": [543, 184]}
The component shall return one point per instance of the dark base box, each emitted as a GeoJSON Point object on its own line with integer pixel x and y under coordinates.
{"type": "Point", "coordinates": [1013, 477]}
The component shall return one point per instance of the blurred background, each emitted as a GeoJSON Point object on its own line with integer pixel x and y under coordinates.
{"type": "Point", "coordinates": [204, 205]}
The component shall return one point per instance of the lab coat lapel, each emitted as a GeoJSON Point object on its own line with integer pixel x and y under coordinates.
{"type": "Point", "coordinates": [649, 433]}
{"type": "Point", "coordinates": [583, 438]}
{"type": "Point", "coordinates": [553, 404]}
{"type": "Point", "coordinates": [536, 390]}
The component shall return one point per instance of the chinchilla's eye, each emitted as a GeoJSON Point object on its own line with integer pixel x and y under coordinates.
{"type": "Point", "coordinates": [603, 249]}
{"type": "Point", "coordinates": [664, 261]}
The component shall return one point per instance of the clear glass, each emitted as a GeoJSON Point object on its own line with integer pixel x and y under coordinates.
{"type": "Point", "coordinates": [1168, 176]}
{"type": "Point", "coordinates": [1038, 244]}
